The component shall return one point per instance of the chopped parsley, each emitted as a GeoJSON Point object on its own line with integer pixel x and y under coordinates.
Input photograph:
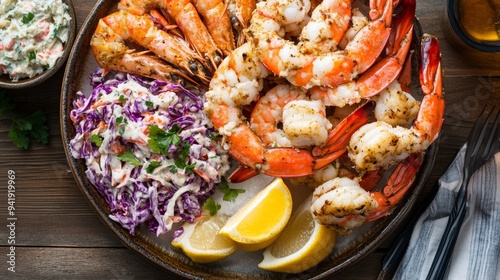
{"type": "Point", "coordinates": [212, 206]}
{"type": "Point", "coordinates": [120, 120]}
{"type": "Point", "coordinates": [55, 32]}
{"type": "Point", "coordinates": [152, 166]}
{"type": "Point", "coordinates": [31, 55]}
{"type": "Point", "coordinates": [149, 104]}
{"type": "Point", "coordinates": [96, 139]}
{"type": "Point", "coordinates": [128, 156]}
{"type": "Point", "coordinates": [160, 141]}
{"type": "Point", "coordinates": [24, 129]}
{"type": "Point", "coordinates": [229, 194]}
{"type": "Point", "coordinates": [28, 17]}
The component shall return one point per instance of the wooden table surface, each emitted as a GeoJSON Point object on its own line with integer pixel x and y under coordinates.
{"type": "Point", "coordinates": [57, 234]}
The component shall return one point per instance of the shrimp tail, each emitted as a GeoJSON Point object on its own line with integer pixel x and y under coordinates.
{"type": "Point", "coordinates": [341, 134]}
{"type": "Point", "coordinates": [397, 186]}
{"type": "Point", "coordinates": [384, 72]}
{"type": "Point", "coordinates": [370, 41]}
{"type": "Point", "coordinates": [370, 179]}
{"type": "Point", "coordinates": [431, 115]}
{"type": "Point", "coordinates": [241, 174]}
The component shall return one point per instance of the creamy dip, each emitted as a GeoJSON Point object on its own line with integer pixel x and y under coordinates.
{"type": "Point", "coordinates": [32, 36]}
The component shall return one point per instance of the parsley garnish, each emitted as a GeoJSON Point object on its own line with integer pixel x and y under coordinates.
{"type": "Point", "coordinates": [128, 156]}
{"type": "Point", "coordinates": [55, 32]}
{"type": "Point", "coordinates": [213, 135]}
{"type": "Point", "coordinates": [160, 140]}
{"type": "Point", "coordinates": [24, 129]}
{"type": "Point", "coordinates": [27, 18]}
{"type": "Point", "coordinates": [152, 166]}
{"type": "Point", "coordinates": [181, 161]}
{"type": "Point", "coordinates": [229, 194]}
{"type": "Point", "coordinates": [122, 99]}
{"type": "Point", "coordinates": [31, 55]}
{"type": "Point", "coordinates": [149, 103]}
{"type": "Point", "coordinates": [96, 139]}
{"type": "Point", "coordinates": [211, 206]}
{"type": "Point", "coordinates": [120, 120]}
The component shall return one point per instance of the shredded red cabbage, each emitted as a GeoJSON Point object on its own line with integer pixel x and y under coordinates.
{"type": "Point", "coordinates": [112, 136]}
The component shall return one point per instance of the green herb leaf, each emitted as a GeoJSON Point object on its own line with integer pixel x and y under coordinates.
{"type": "Point", "coordinates": [96, 139]}
{"type": "Point", "coordinates": [26, 128]}
{"type": "Point", "coordinates": [152, 166]}
{"type": "Point", "coordinates": [22, 124]}
{"type": "Point", "coordinates": [149, 104]}
{"type": "Point", "coordinates": [122, 99]}
{"type": "Point", "coordinates": [20, 138]}
{"type": "Point", "coordinates": [183, 157]}
{"type": "Point", "coordinates": [27, 18]}
{"type": "Point", "coordinates": [160, 140]}
{"type": "Point", "coordinates": [229, 194]}
{"type": "Point", "coordinates": [120, 120]}
{"type": "Point", "coordinates": [128, 156]}
{"type": "Point", "coordinates": [31, 55]}
{"type": "Point", "coordinates": [55, 32]}
{"type": "Point", "coordinates": [211, 206]}
{"type": "Point", "coordinates": [214, 135]}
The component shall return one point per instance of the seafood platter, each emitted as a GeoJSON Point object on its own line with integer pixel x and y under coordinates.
{"type": "Point", "coordinates": [274, 139]}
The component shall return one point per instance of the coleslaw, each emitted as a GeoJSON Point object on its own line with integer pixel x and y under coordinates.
{"type": "Point", "coordinates": [149, 149]}
{"type": "Point", "coordinates": [32, 36]}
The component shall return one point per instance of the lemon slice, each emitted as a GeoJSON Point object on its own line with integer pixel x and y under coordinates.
{"type": "Point", "coordinates": [201, 242]}
{"type": "Point", "coordinates": [302, 244]}
{"type": "Point", "coordinates": [261, 219]}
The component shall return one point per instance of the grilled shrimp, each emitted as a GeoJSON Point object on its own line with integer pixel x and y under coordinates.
{"type": "Point", "coordinates": [240, 13]}
{"type": "Point", "coordinates": [380, 144]}
{"type": "Point", "coordinates": [216, 18]}
{"type": "Point", "coordinates": [236, 83]}
{"type": "Point", "coordinates": [382, 73]}
{"type": "Point", "coordinates": [302, 64]}
{"type": "Point", "coordinates": [187, 19]}
{"type": "Point", "coordinates": [395, 106]}
{"type": "Point", "coordinates": [111, 51]}
{"type": "Point", "coordinates": [304, 121]}
{"type": "Point", "coordinates": [344, 203]}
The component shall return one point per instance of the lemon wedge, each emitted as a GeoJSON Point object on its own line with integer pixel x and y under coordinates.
{"type": "Point", "coordinates": [302, 244]}
{"type": "Point", "coordinates": [201, 242]}
{"type": "Point", "coordinates": [259, 222]}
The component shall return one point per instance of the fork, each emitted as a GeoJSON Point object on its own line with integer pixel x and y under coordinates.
{"type": "Point", "coordinates": [479, 141]}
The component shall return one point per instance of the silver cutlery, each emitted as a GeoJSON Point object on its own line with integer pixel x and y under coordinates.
{"type": "Point", "coordinates": [481, 145]}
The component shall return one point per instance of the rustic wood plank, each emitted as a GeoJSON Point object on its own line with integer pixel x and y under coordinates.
{"type": "Point", "coordinates": [82, 263]}
{"type": "Point", "coordinates": [120, 263]}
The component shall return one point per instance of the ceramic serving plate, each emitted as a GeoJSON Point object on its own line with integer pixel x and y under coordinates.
{"type": "Point", "coordinates": [242, 265]}
{"type": "Point", "coordinates": [6, 82]}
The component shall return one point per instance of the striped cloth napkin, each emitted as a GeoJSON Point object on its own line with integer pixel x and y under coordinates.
{"type": "Point", "coordinates": [477, 252]}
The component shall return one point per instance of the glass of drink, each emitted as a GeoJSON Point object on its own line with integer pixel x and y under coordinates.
{"type": "Point", "coordinates": [473, 24]}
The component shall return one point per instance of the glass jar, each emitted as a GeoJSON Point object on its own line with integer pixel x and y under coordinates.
{"type": "Point", "coordinates": [473, 24]}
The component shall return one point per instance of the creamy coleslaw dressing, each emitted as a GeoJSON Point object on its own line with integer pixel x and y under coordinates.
{"type": "Point", "coordinates": [122, 116]}
{"type": "Point", "coordinates": [32, 36]}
